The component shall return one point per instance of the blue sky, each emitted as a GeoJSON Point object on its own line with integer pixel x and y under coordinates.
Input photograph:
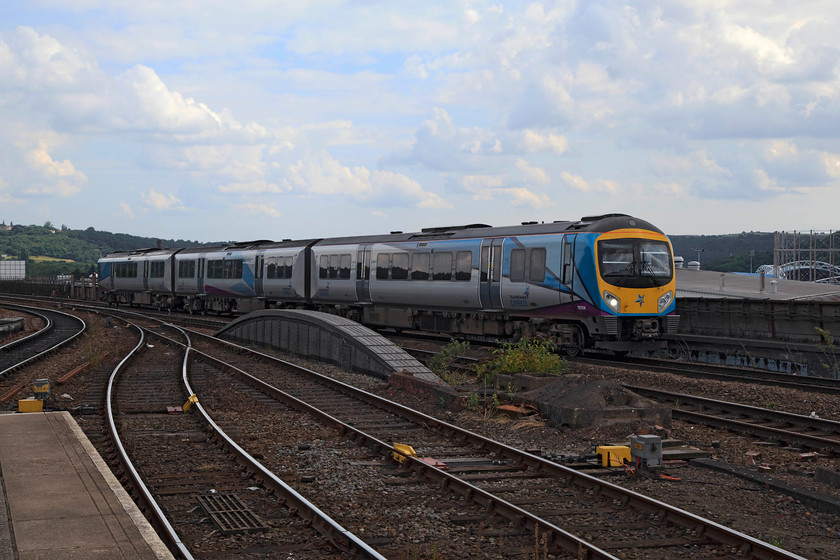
{"type": "Point", "coordinates": [255, 119]}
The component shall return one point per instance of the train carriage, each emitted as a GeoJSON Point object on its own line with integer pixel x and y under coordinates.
{"type": "Point", "coordinates": [229, 276]}
{"type": "Point", "coordinates": [282, 272]}
{"type": "Point", "coordinates": [142, 277]}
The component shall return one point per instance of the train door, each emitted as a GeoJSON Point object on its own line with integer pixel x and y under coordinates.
{"type": "Point", "coordinates": [567, 272]}
{"type": "Point", "coordinates": [145, 275]}
{"type": "Point", "coordinates": [363, 274]}
{"type": "Point", "coordinates": [200, 276]}
{"type": "Point", "coordinates": [259, 267]}
{"type": "Point", "coordinates": [490, 290]}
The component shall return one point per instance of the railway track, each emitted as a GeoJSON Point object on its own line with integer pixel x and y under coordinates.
{"type": "Point", "coordinates": [528, 492]}
{"type": "Point", "coordinates": [201, 497]}
{"type": "Point", "coordinates": [59, 330]}
{"type": "Point", "coordinates": [721, 373]}
{"type": "Point", "coordinates": [488, 471]}
{"type": "Point", "coordinates": [772, 425]}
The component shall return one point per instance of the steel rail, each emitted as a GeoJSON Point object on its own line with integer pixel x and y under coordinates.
{"type": "Point", "coordinates": [159, 517]}
{"type": "Point", "coordinates": [769, 432]}
{"type": "Point", "coordinates": [559, 536]}
{"type": "Point", "coordinates": [322, 522]}
{"type": "Point", "coordinates": [24, 339]}
{"type": "Point", "coordinates": [750, 547]}
{"type": "Point", "coordinates": [709, 371]}
{"type": "Point", "coordinates": [48, 329]}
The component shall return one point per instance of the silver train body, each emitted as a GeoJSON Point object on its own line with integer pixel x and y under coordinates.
{"type": "Point", "coordinates": [604, 281]}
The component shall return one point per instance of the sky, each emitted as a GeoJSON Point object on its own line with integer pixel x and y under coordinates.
{"type": "Point", "coordinates": [214, 120]}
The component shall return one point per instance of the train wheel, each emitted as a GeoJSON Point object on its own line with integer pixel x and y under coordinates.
{"type": "Point", "coordinates": [575, 347]}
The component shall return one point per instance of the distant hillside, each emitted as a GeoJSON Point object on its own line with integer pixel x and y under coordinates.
{"type": "Point", "coordinates": [725, 253]}
{"type": "Point", "coordinates": [82, 247]}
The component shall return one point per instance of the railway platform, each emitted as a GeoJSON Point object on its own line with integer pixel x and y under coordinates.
{"type": "Point", "coordinates": [58, 499]}
{"type": "Point", "coordinates": [744, 320]}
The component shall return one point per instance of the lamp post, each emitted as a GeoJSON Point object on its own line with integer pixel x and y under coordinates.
{"type": "Point", "coordinates": [699, 250]}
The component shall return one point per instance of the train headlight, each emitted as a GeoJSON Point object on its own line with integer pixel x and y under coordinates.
{"type": "Point", "coordinates": [665, 301]}
{"type": "Point", "coordinates": [612, 301]}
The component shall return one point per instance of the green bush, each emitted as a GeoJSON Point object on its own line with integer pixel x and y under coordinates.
{"type": "Point", "coordinates": [440, 363]}
{"type": "Point", "coordinates": [528, 355]}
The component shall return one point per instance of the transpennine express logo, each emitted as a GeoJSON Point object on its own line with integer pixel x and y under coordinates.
{"type": "Point", "coordinates": [640, 300]}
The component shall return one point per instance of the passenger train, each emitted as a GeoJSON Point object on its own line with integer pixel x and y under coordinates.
{"type": "Point", "coordinates": [603, 282]}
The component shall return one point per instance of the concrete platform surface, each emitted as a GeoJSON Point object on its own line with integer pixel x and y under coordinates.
{"type": "Point", "coordinates": [59, 500]}
{"type": "Point", "coordinates": [721, 285]}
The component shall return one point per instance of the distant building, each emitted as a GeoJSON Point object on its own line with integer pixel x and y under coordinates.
{"type": "Point", "coordinates": [4, 227]}
{"type": "Point", "coordinates": [12, 270]}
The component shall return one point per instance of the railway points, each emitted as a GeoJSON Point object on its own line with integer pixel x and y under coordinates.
{"type": "Point", "coordinates": [61, 497]}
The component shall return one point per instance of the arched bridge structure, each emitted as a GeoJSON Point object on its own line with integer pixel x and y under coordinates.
{"type": "Point", "coordinates": [321, 336]}
{"type": "Point", "coordinates": [806, 271]}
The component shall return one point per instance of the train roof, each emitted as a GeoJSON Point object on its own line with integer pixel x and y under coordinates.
{"type": "Point", "coordinates": [601, 223]}
{"type": "Point", "coordinates": [149, 252]}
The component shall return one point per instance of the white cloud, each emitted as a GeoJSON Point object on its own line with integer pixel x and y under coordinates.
{"type": "Point", "coordinates": [50, 176]}
{"type": "Point", "coordinates": [161, 201]}
{"type": "Point", "coordinates": [598, 185]}
{"type": "Point", "coordinates": [370, 106]}
{"type": "Point", "coordinates": [260, 209]}
{"type": "Point", "coordinates": [533, 141]}
{"type": "Point", "coordinates": [125, 210]}
{"type": "Point", "coordinates": [489, 188]}
{"type": "Point", "coordinates": [532, 174]}
{"type": "Point", "coordinates": [831, 162]}
{"type": "Point", "coordinates": [695, 163]}
{"type": "Point", "coordinates": [326, 176]}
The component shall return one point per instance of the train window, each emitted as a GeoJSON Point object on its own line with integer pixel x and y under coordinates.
{"type": "Point", "coordinates": [567, 261]}
{"type": "Point", "coordinates": [399, 270]}
{"type": "Point", "coordinates": [157, 268]}
{"type": "Point", "coordinates": [383, 261]}
{"type": "Point", "coordinates": [324, 266]}
{"type": "Point", "coordinates": [420, 266]}
{"type": "Point", "coordinates": [344, 267]}
{"type": "Point", "coordinates": [497, 263]}
{"type": "Point", "coordinates": [272, 270]}
{"type": "Point", "coordinates": [215, 269]}
{"type": "Point", "coordinates": [463, 265]}
{"type": "Point", "coordinates": [517, 265]}
{"type": "Point", "coordinates": [288, 263]}
{"type": "Point", "coordinates": [333, 266]}
{"type": "Point", "coordinates": [537, 268]}
{"type": "Point", "coordinates": [186, 269]}
{"type": "Point", "coordinates": [485, 262]}
{"type": "Point", "coordinates": [126, 270]}
{"type": "Point", "coordinates": [233, 269]}
{"type": "Point", "coordinates": [443, 266]}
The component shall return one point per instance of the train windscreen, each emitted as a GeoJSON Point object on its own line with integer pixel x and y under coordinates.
{"type": "Point", "coordinates": [635, 263]}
